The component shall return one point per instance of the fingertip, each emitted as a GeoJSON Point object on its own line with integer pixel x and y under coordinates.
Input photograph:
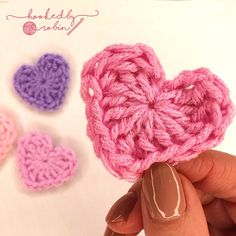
{"type": "Point", "coordinates": [212, 172]}
{"type": "Point", "coordinates": [186, 223]}
{"type": "Point", "coordinates": [125, 215]}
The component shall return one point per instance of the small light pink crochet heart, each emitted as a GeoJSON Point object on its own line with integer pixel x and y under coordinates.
{"type": "Point", "coordinates": [136, 117]}
{"type": "Point", "coordinates": [7, 135]}
{"type": "Point", "coordinates": [42, 166]}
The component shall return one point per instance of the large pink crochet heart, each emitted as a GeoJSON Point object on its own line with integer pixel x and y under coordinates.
{"type": "Point", "coordinates": [136, 117]}
{"type": "Point", "coordinates": [42, 166]}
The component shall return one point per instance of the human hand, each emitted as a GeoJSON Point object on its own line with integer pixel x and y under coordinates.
{"type": "Point", "coordinates": [197, 199]}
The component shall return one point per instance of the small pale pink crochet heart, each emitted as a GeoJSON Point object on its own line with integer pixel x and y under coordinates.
{"type": "Point", "coordinates": [7, 135]}
{"type": "Point", "coordinates": [136, 117]}
{"type": "Point", "coordinates": [41, 166]}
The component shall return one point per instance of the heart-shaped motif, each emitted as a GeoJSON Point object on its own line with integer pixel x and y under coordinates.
{"type": "Point", "coordinates": [43, 85]}
{"type": "Point", "coordinates": [41, 166]}
{"type": "Point", "coordinates": [7, 135]}
{"type": "Point", "coordinates": [136, 117]}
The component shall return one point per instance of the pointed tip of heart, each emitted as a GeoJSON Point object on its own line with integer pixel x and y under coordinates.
{"type": "Point", "coordinates": [41, 166]}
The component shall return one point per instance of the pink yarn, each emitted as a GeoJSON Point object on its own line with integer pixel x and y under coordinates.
{"type": "Point", "coordinates": [41, 166]}
{"type": "Point", "coordinates": [7, 135]}
{"type": "Point", "coordinates": [136, 117]}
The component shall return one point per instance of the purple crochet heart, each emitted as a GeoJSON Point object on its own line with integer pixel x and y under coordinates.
{"type": "Point", "coordinates": [43, 85]}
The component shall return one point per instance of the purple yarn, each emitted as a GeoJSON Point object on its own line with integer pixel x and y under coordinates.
{"type": "Point", "coordinates": [43, 85]}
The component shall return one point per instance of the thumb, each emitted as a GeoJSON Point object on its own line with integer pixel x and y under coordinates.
{"type": "Point", "coordinates": [170, 204]}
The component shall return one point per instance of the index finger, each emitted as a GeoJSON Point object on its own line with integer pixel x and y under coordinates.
{"type": "Point", "coordinates": [213, 172]}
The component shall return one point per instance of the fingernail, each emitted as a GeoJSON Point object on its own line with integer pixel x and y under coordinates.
{"type": "Point", "coordinates": [163, 192]}
{"type": "Point", "coordinates": [121, 209]}
{"type": "Point", "coordinates": [109, 232]}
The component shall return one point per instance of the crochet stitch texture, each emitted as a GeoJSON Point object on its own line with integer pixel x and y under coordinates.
{"type": "Point", "coordinates": [41, 166]}
{"type": "Point", "coordinates": [43, 85]}
{"type": "Point", "coordinates": [136, 117]}
{"type": "Point", "coordinates": [7, 135]}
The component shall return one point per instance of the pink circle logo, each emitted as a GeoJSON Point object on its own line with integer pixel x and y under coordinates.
{"type": "Point", "coordinates": [29, 28]}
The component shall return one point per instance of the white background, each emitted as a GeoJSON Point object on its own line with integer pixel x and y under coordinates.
{"type": "Point", "coordinates": [184, 34]}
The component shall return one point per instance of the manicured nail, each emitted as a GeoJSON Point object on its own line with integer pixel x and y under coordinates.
{"type": "Point", "coordinates": [121, 209]}
{"type": "Point", "coordinates": [163, 192]}
{"type": "Point", "coordinates": [109, 232]}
